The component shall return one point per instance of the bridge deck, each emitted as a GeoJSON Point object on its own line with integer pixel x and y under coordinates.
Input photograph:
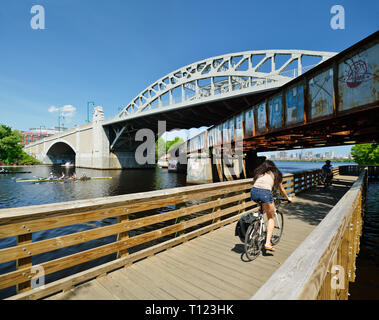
{"type": "Point", "coordinates": [212, 266]}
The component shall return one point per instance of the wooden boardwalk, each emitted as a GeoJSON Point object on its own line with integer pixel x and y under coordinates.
{"type": "Point", "coordinates": [213, 266]}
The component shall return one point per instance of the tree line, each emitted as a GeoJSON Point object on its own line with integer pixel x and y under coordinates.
{"type": "Point", "coordinates": [11, 151]}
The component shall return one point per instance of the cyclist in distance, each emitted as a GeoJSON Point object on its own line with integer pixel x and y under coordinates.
{"type": "Point", "coordinates": [267, 177]}
{"type": "Point", "coordinates": [327, 173]}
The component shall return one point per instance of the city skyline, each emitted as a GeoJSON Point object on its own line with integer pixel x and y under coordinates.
{"type": "Point", "coordinates": [311, 154]}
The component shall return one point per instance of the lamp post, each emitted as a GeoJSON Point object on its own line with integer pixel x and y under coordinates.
{"type": "Point", "coordinates": [40, 131]}
{"type": "Point", "coordinates": [88, 104]}
{"type": "Point", "coordinates": [59, 122]}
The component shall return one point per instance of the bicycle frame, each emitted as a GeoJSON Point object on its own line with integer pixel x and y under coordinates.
{"type": "Point", "coordinates": [262, 227]}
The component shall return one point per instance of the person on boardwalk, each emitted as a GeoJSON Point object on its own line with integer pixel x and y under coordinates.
{"type": "Point", "coordinates": [267, 177]}
{"type": "Point", "coordinates": [327, 173]}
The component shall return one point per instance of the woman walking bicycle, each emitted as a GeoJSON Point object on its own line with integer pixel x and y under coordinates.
{"type": "Point", "coordinates": [267, 177]}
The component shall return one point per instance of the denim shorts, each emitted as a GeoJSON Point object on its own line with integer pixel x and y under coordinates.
{"type": "Point", "coordinates": [261, 195]}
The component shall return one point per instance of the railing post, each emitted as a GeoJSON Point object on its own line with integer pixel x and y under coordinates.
{"type": "Point", "coordinates": [24, 262]}
{"type": "Point", "coordinates": [123, 235]}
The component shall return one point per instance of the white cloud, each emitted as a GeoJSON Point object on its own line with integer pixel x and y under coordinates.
{"type": "Point", "coordinates": [67, 111]}
{"type": "Point", "coordinates": [53, 109]}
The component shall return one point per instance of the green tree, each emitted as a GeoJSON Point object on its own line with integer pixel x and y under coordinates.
{"type": "Point", "coordinates": [366, 154]}
{"type": "Point", "coordinates": [10, 148]}
{"type": "Point", "coordinates": [162, 147]}
{"type": "Point", "coordinates": [174, 143]}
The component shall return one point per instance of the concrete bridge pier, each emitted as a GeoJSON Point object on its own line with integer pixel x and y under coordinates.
{"type": "Point", "coordinates": [199, 168]}
{"type": "Point", "coordinates": [100, 152]}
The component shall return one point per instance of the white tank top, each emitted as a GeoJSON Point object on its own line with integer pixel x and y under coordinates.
{"type": "Point", "coordinates": [265, 181]}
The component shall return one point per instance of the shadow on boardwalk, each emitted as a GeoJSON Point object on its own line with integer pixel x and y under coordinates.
{"type": "Point", "coordinates": [313, 205]}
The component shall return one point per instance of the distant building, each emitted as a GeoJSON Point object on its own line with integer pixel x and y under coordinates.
{"type": "Point", "coordinates": [35, 134]}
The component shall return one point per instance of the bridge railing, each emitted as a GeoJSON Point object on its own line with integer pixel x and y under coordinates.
{"type": "Point", "coordinates": [137, 226]}
{"type": "Point", "coordinates": [324, 263]}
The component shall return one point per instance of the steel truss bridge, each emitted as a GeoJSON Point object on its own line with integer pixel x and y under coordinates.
{"type": "Point", "coordinates": [197, 94]}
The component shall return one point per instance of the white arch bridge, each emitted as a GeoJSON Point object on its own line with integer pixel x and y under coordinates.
{"type": "Point", "coordinates": [212, 80]}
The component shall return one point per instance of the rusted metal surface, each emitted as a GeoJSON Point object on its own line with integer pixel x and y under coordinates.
{"type": "Point", "coordinates": [261, 117]}
{"type": "Point", "coordinates": [295, 105]}
{"type": "Point", "coordinates": [249, 118]}
{"type": "Point", "coordinates": [358, 79]}
{"type": "Point", "coordinates": [321, 94]}
{"type": "Point", "coordinates": [239, 126]}
{"type": "Point", "coordinates": [275, 111]}
{"type": "Point", "coordinates": [337, 103]}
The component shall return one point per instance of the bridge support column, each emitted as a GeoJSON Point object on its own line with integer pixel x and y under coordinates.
{"type": "Point", "coordinates": [199, 168]}
{"type": "Point", "coordinates": [100, 153]}
{"type": "Point", "coordinates": [126, 160]}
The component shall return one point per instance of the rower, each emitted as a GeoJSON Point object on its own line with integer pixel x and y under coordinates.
{"type": "Point", "coordinates": [73, 177]}
{"type": "Point", "coordinates": [62, 176]}
{"type": "Point", "coordinates": [51, 176]}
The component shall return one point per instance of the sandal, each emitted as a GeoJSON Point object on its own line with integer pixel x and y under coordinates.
{"type": "Point", "coordinates": [270, 249]}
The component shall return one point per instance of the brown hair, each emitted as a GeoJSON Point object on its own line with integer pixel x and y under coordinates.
{"type": "Point", "coordinates": [267, 166]}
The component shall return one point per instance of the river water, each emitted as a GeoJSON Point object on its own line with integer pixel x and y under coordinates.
{"type": "Point", "coordinates": [17, 194]}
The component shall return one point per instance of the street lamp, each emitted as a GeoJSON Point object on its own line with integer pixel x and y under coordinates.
{"type": "Point", "coordinates": [59, 122]}
{"type": "Point", "coordinates": [88, 104]}
{"type": "Point", "coordinates": [40, 131]}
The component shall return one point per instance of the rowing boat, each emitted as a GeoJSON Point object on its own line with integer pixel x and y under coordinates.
{"type": "Point", "coordinates": [14, 172]}
{"type": "Point", "coordinates": [50, 180]}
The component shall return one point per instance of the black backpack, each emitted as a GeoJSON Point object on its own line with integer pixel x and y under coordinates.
{"type": "Point", "coordinates": [243, 223]}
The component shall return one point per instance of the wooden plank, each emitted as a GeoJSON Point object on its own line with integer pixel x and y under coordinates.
{"type": "Point", "coordinates": [118, 288]}
{"type": "Point", "coordinates": [193, 285]}
{"type": "Point", "coordinates": [88, 291]}
{"type": "Point", "coordinates": [223, 273]}
{"type": "Point", "coordinates": [227, 291]}
{"type": "Point", "coordinates": [143, 282]}
{"type": "Point", "coordinates": [167, 282]}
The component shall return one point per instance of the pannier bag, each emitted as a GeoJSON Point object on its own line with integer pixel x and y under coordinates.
{"type": "Point", "coordinates": [243, 223]}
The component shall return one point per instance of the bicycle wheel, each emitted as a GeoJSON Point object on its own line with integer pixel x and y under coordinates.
{"type": "Point", "coordinates": [278, 228]}
{"type": "Point", "coordinates": [253, 243]}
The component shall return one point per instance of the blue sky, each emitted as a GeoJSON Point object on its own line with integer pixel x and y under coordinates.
{"type": "Point", "coordinates": [109, 51]}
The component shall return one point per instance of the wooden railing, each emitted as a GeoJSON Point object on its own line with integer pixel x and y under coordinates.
{"type": "Point", "coordinates": [143, 224]}
{"type": "Point", "coordinates": [372, 171]}
{"type": "Point", "coordinates": [324, 264]}
{"type": "Point", "coordinates": [204, 207]}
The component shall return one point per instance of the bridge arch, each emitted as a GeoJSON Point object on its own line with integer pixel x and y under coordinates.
{"type": "Point", "coordinates": [61, 152]}
{"type": "Point", "coordinates": [225, 75]}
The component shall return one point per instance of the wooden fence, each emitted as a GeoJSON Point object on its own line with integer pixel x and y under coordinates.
{"type": "Point", "coordinates": [188, 212]}
{"type": "Point", "coordinates": [372, 171]}
{"type": "Point", "coordinates": [324, 264]}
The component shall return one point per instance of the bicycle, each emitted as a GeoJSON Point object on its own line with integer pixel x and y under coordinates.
{"type": "Point", "coordinates": [327, 181]}
{"type": "Point", "coordinates": [256, 233]}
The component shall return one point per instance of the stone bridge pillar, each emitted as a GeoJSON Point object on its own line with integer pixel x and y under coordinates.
{"type": "Point", "coordinates": [100, 152]}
